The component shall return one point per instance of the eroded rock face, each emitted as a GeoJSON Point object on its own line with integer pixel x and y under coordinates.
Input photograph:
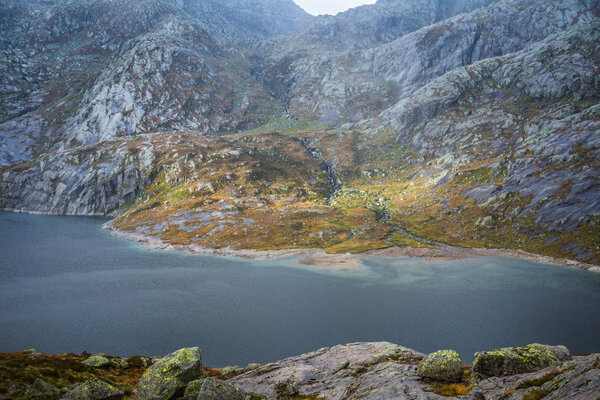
{"type": "Point", "coordinates": [443, 365]}
{"type": "Point", "coordinates": [168, 377]}
{"type": "Point", "coordinates": [518, 360]}
{"type": "Point", "coordinates": [362, 370]}
{"type": "Point", "coordinates": [93, 389]}
{"type": "Point", "coordinates": [336, 84]}
{"type": "Point", "coordinates": [127, 67]}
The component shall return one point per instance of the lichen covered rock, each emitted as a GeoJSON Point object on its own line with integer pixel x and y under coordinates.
{"type": "Point", "coordinates": [119, 363]}
{"type": "Point", "coordinates": [193, 389]}
{"type": "Point", "coordinates": [94, 389]}
{"type": "Point", "coordinates": [25, 391]}
{"type": "Point", "coordinates": [443, 365]}
{"type": "Point", "coordinates": [97, 361]}
{"type": "Point", "coordinates": [46, 388]}
{"type": "Point", "coordinates": [168, 377]}
{"type": "Point", "coordinates": [518, 360]}
{"type": "Point", "coordinates": [232, 371]}
{"type": "Point", "coordinates": [215, 389]}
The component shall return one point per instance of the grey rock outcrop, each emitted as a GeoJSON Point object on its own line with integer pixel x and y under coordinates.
{"type": "Point", "coordinates": [387, 371]}
{"type": "Point", "coordinates": [338, 85]}
{"type": "Point", "coordinates": [126, 67]}
{"type": "Point", "coordinates": [373, 371]}
{"type": "Point", "coordinates": [578, 379]}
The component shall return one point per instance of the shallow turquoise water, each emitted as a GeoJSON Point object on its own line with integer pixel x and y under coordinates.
{"type": "Point", "coordinates": [66, 285]}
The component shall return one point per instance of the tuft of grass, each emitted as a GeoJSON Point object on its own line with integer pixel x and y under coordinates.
{"type": "Point", "coordinates": [539, 381]}
{"type": "Point", "coordinates": [63, 370]}
{"type": "Point", "coordinates": [450, 389]}
{"type": "Point", "coordinates": [535, 394]}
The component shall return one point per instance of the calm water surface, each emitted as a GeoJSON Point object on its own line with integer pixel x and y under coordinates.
{"type": "Point", "coordinates": [66, 285]}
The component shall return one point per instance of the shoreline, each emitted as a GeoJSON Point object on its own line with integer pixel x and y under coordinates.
{"type": "Point", "coordinates": [319, 258]}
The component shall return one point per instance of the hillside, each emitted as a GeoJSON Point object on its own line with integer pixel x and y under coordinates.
{"type": "Point", "coordinates": [238, 124]}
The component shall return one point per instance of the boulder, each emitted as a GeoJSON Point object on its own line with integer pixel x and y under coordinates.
{"type": "Point", "coordinates": [45, 387]}
{"type": "Point", "coordinates": [97, 361]}
{"type": "Point", "coordinates": [25, 391]}
{"type": "Point", "coordinates": [168, 377]}
{"type": "Point", "coordinates": [138, 362]}
{"type": "Point", "coordinates": [443, 365]}
{"type": "Point", "coordinates": [193, 389]}
{"type": "Point", "coordinates": [232, 371]}
{"type": "Point", "coordinates": [518, 360]}
{"type": "Point", "coordinates": [94, 389]}
{"type": "Point", "coordinates": [216, 389]}
{"type": "Point", "coordinates": [118, 363]}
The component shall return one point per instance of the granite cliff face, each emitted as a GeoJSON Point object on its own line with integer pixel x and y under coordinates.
{"type": "Point", "coordinates": [223, 123]}
{"type": "Point", "coordinates": [79, 72]}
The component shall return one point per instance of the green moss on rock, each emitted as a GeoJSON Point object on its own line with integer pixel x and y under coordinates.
{"type": "Point", "coordinates": [443, 365]}
{"type": "Point", "coordinates": [168, 377]}
{"type": "Point", "coordinates": [97, 361]}
{"type": "Point", "coordinates": [518, 360]}
{"type": "Point", "coordinates": [217, 389]}
{"type": "Point", "coordinates": [94, 389]}
{"type": "Point", "coordinates": [193, 389]}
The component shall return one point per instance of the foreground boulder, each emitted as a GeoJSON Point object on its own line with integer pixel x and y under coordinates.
{"type": "Point", "coordinates": [518, 360]}
{"type": "Point", "coordinates": [215, 389]}
{"type": "Point", "coordinates": [169, 376]}
{"type": "Point", "coordinates": [46, 388]}
{"type": "Point", "coordinates": [94, 389]}
{"type": "Point", "coordinates": [25, 391]}
{"type": "Point", "coordinates": [193, 389]}
{"type": "Point", "coordinates": [443, 365]}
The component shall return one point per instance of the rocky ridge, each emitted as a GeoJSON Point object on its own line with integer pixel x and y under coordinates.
{"type": "Point", "coordinates": [378, 370]}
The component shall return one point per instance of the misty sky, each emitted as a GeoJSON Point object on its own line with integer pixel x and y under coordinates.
{"type": "Point", "coordinates": [332, 7]}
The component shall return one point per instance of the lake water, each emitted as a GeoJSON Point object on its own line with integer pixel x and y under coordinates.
{"type": "Point", "coordinates": [66, 285]}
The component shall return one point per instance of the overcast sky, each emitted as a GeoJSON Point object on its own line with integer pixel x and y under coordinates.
{"type": "Point", "coordinates": [317, 7]}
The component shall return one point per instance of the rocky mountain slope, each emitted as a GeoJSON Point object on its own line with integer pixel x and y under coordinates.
{"type": "Point", "coordinates": [79, 72]}
{"type": "Point", "coordinates": [226, 124]}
